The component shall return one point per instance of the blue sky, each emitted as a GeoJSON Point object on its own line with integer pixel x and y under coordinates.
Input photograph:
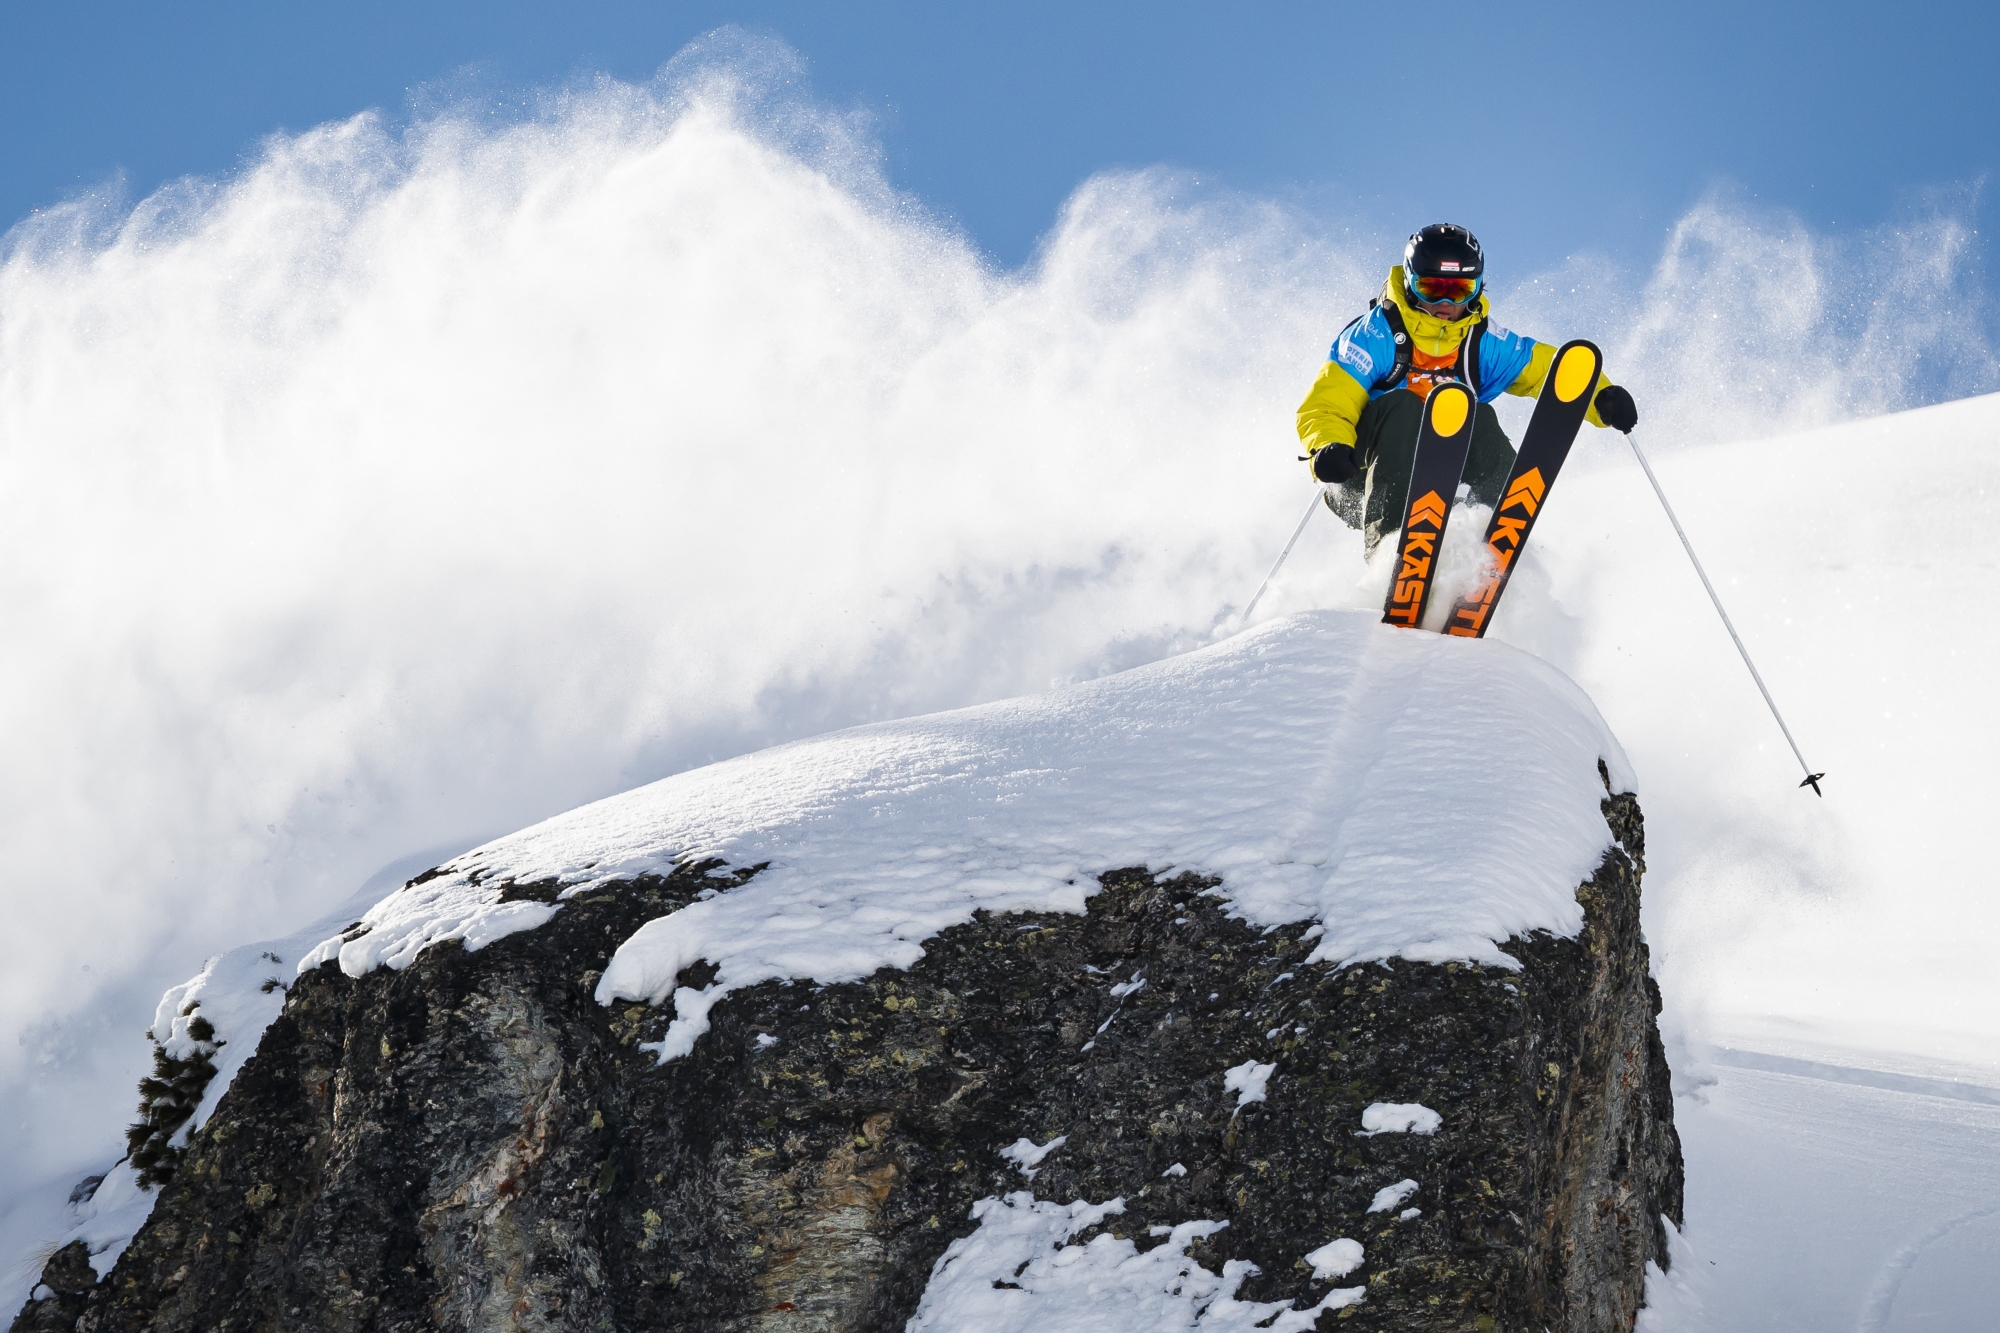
{"type": "Point", "coordinates": [1551, 129]}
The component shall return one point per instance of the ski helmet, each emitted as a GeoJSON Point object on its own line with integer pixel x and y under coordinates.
{"type": "Point", "coordinates": [1443, 263]}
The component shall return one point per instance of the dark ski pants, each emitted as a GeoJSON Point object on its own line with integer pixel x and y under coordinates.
{"type": "Point", "coordinates": [1385, 446]}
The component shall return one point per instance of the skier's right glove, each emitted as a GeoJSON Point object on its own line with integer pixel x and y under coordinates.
{"type": "Point", "coordinates": [1616, 409]}
{"type": "Point", "coordinates": [1334, 463]}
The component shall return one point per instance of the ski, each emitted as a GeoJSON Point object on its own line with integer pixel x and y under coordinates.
{"type": "Point", "coordinates": [1559, 413]}
{"type": "Point", "coordinates": [1443, 441]}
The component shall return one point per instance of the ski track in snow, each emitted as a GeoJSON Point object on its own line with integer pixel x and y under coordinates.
{"type": "Point", "coordinates": [1889, 1282]}
{"type": "Point", "coordinates": [1823, 1203]}
{"type": "Point", "coordinates": [1324, 766]}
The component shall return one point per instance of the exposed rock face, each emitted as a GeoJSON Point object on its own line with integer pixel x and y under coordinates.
{"type": "Point", "coordinates": [474, 1143]}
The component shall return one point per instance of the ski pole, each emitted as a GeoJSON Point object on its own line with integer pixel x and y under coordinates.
{"type": "Point", "coordinates": [1304, 519]}
{"type": "Point", "coordinates": [1812, 778]}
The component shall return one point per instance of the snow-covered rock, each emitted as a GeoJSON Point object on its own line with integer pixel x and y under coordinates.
{"type": "Point", "coordinates": [1216, 953]}
{"type": "Point", "coordinates": [1416, 796]}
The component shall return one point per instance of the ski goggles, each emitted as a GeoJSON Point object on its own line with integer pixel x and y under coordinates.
{"type": "Point", "coordinates": [1444, 290]}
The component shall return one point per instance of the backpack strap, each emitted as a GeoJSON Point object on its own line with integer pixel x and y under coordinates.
{"type": "Point", "coordinates": [1401, 366]}
{"type": "Point", "coordinates": [1468, 357]}
{"type": "Point", "coordinates": [1468, 349]}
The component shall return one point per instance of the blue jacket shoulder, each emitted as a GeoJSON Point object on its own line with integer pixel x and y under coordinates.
{"type": "Point", "coordinates": [1366, 348]}
{"type": "Point", "coordinates": [1503, 355]}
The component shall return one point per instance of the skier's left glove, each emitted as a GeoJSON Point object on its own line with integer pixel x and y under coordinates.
{"type": "Point", "coordinates": [1335, 464]}
{"type": "Point", "coordinates": [1616, 409]}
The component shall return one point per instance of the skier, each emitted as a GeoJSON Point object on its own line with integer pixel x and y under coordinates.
{"type": "Point", "coordinates": [1431, 324]}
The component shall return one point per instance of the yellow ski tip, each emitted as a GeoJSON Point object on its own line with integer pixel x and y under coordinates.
{"type": "Point", "coordinates": [1450, 405]}
{"type": "Point", "coordinates": [1576, 372]}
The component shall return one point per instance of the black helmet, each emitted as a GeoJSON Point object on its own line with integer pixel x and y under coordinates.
{"type": "Point", "coordinates": [1447, 252]}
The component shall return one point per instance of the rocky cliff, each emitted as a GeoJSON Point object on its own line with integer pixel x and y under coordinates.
{"type": "Point", "coordinates": [475, 1143]}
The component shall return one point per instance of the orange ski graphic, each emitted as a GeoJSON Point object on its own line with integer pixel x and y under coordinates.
{"type": "Point", "coordinates": [1526, 492]}
{"type": "Point", "coordinates": [1429, 509]}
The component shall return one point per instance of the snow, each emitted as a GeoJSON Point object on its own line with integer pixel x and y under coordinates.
{"type": "Point", "coordinates": [1325, 766]}
{"type": "Point", "coordinates": [1335, 1259]}
{"type": "Point", "coordinates": [1857, 912]}
{"type": "Point", "coordinates": [1392, 1196]}
{"type": "Point", "coordinates": [1815, 1200]}
{"type": "Point", "coordinates": [399, 928]}
{"type": "Point", "coordinates": [1399, 1118]}
{"type": "Point", "coordinates": [1247, 1081]}
{"type": "Point", "coordinates": [1026, 1156]}
{"type": "Point", "coordinates": [1107, 1285]}
{"type": "Point", "coordinates": [110, 1217]}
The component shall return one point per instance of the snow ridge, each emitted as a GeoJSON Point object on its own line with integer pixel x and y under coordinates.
{"type": "Point", "coordinates": [1324, 766]}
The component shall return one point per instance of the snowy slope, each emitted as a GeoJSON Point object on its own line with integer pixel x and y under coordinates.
{"type": "Point", "coordinates": [1852, 560]}
{"type": "Point", "coordinates": [1817, 1202]}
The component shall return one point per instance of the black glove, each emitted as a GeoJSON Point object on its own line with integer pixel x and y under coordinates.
{"type": "Point", "coordinates": [1616, 409]}
{"type": "Point", "coordinates": [1334, 463]}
